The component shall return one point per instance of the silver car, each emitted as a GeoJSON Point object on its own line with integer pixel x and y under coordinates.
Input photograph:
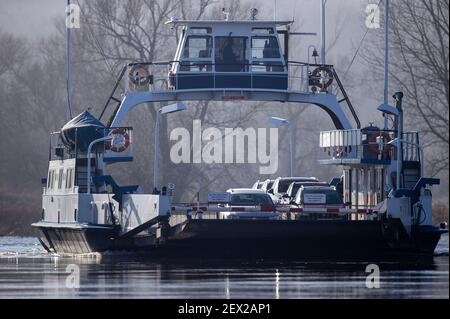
{"type": "Point", "coordinates": [247, 203]}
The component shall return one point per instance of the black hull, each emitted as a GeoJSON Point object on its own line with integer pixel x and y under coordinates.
{"type": "Point", "coordinates": [318, 239]}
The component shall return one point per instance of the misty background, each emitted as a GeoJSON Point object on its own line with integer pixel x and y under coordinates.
{"type": "Point", "coordinates": [33, 88]}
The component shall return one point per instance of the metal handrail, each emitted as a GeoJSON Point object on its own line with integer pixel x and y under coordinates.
{"type": "Point", "coordinates": [267, 63]}
{"type": "Point", "coordinates": [88, 156]}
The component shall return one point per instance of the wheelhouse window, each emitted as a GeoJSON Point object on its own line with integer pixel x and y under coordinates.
{"type": "Point", "coordinates": [266, 54]}
{"type": "Point", "coordinates": [265, 48]}
{"type": "Point", "coordinates": [197, 54]}
{"type": "Point", "coordinates": [198, 47]}
{"type": "Point", "coordinates": [230, 54]}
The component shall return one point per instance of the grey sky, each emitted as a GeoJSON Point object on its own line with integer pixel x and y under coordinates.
{"type": "Point", "coordinates": [35, 18]}
{"type": "Point", "coordinates": [30, 17]}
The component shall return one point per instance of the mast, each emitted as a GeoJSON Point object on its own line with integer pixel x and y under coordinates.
{"type": "Point", "coordinates": [274, 10]}
{"type": "Point", "coordinates": [69, 62]}
{"type": "Point", "coordinates": [386, 58]}
{"type": "Point", "coordinates": [322, 31]}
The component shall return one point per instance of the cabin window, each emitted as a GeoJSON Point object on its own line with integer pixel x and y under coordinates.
{"type": "Point", "coordinates": [198, 47]}
{"type": "Point", "coordinates": [230, 54]}
{"type": "Point", "coordinates": [265, 48]}
{"type": "Point", "coordinates": [263, 30]}
{"type": "Point", "coordinates": [266, 54]}
{"type": "Point", "coordinates": [197, 54]}
{"type": "Point", "coordinates": [49, 178]}
{"type": "Point", "coordinates": [52, 179]}
{"type": "Point", "coordinates": [60, 178]}
{"type": "Point", "coordinates": [69, 178]}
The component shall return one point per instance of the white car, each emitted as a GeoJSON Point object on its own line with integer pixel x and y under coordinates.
{"type": "Point", "coordinates": [248, 203]}
{"type": "Point", "coordinates": [257, 185]}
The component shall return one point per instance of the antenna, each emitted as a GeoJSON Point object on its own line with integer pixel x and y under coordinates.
{"type": "Point", "coordinates": [69, 66]}
{"type": "Point", "coordinates": [226, 13]}
{"type": "Point", "coordinates": [295, 11]}
{"type": "Point", "coordinates": [274, 10]}
{"type": "Point", "coordinates": [322, 31]}
{"type": "Point", "coordinates": [386, 58]}
{"type": "Point", "coordinates": [171, 22]}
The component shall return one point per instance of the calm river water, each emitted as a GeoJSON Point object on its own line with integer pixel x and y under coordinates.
{"type": "Point", "coordinates": [27, 272]}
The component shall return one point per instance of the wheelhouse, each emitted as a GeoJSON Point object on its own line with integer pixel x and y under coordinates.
{"type": "Point", "coordinates": [230, 54]}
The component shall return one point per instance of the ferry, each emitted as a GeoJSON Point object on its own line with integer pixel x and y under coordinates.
{"type": "Point", "coordinates": [388, 211]}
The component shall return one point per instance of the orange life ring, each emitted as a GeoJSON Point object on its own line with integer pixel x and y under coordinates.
{"type": "Point", "coordinates": [120, 140]}
{"type": "Point", "coordinates": [316, 77]}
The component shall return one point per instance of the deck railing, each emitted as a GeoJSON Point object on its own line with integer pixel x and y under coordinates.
{"type": "Point", "coordinates": [286, 211]}
{"type": "Point", "coordinates": [357, 144]}
{"type": "Point", "coordinates": [300, 77]}
{"type": "Point", "coordinates": [154, 76]}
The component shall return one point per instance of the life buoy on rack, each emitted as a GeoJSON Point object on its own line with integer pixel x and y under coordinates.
{"type": "Point", "coordinates": [318, 76]}
{"type": "Point", "coordinates": [139, 75]}
{"type": "Point", "coordinates": [373, 145]}
{"type": "Point", "coordinates": [120, 140]}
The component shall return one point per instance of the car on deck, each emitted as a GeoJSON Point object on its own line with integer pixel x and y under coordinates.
{"type": "Point", "coordinates": [248, 203]}
{"type": "Point", "coordinates": [319, 197]}
{"type": "Point", "coordinates": [267, 184]}
{"type": "Point", "coordinates": [257, 185]}
{"type": "Point", "coordinates": [281, 185]}
{"type": "Point", "coordinates": [289, 196]}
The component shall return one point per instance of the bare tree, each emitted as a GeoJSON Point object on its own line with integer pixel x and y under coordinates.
{"type": "Point", "coordinates": [419, 65]}
{"type": "Point", "coordinates": [12, 51]}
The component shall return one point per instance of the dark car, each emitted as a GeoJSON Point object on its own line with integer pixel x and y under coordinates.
{"type": "Point", "coordinates": [267, 184]}
{"type": "Point", "coordinates": [319, 196]}
{"type": "Point", "coordinates": [281, 185]}
{"type": "Point", "coordinates": [293, 189]}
